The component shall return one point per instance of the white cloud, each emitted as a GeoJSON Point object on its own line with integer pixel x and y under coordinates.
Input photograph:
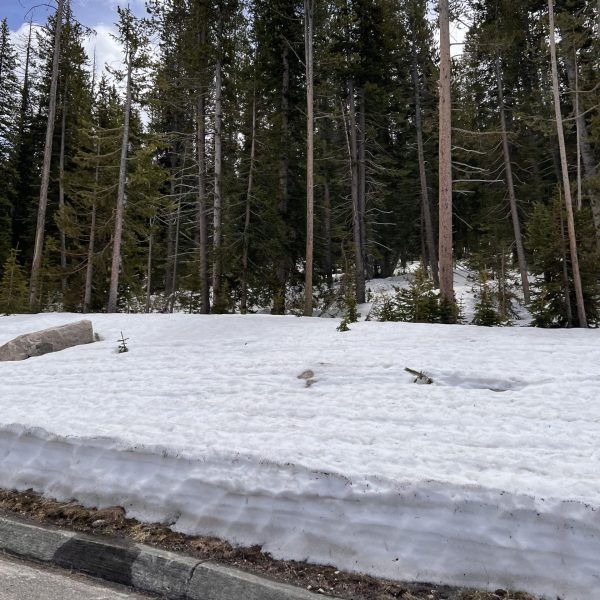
{"type": "Point", "coordinates": [108, 50]}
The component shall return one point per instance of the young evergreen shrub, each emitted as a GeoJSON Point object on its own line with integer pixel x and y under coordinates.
{"type": "Point", "coordinates": [487, 309]}
{"type": "Point", "coordinates": [553, 303]}
{"type": "Point", "coordinates": [419, 303]}
{"type": "Point", "coordinates": [351, 313]}
{"type": "Point", "coordinates": [385, 307]}
{"type": "Point", "coordinates": [14, 292]}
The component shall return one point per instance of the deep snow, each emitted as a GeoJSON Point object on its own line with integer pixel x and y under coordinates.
{"type": "Point", "coordinates": [489, 477]}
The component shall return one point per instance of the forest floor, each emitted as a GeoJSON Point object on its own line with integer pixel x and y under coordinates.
{"type": "Point", "coordinates": [316, 446]}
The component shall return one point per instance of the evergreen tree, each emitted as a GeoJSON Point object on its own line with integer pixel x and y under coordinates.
{"type": "Point", "coordinates": [9, 103]}
{"type": "Point", "coordinates": [14, 294]}
{"type": "Point", "coordinates": [553, 302]}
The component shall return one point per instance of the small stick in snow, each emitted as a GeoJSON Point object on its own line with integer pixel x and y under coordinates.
{"type": "Point", "coordinates": [420, 376]}
{"type": "Point", "coordinates": [122, 346]}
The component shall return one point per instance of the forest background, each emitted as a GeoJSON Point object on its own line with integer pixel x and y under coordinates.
{"type": "Point", "coordinates": [242, 148]}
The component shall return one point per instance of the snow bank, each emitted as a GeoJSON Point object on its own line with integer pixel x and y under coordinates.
{"type": "Point", "coordinates": [489, 477]}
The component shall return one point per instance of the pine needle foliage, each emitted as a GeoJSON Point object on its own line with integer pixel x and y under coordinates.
{"type": "Point", "coordinates": [553, 303]}
{"type": "Point", "coordinates": [14, 291]}
{"type": "Point", "coordinates": [419, 303]}
{"type": "Point", "coordinates": [488, 310]}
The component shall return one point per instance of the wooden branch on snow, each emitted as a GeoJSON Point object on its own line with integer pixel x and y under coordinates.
{"type": "Point", "coordinates": [420, 376]}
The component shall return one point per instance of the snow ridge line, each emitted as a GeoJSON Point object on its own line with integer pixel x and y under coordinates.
{"type": "Point", "coordinates": [427, 531]}
{"type": "Point", "coordinates": [144, 568]}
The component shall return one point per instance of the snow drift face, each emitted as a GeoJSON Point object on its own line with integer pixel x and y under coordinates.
{"type": "Point", "coordinates": [205, 425]}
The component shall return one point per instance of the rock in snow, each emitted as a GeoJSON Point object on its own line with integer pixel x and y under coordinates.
{"type": "Point", "coordinates": [47, 340]}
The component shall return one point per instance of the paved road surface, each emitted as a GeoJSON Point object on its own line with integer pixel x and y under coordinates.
{"type": "Point", "coordinates": [26, 581]}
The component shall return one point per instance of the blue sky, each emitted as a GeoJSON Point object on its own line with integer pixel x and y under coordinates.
{"type": "Point", "coordinates": [100, 15]}
{"type": "Point", "coordinates": [89, 12]}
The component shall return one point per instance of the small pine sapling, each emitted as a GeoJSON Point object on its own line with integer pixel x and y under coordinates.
{"type": "Point", "coordinates": [349, 299]}
{"type": "Point", "coordinates": [385, 308]}
{"type": "Point", "coordinates": [419, 303]}
{"type": "Point", "coordinates": [122, 344]}
{"type": "Point", "coordinates": [14, 292]}
{"type": "Point", "coordinates": [487, 309]}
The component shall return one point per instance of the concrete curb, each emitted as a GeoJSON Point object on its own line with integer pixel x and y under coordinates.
{"type": "Point", "coordinates": [144, 568]}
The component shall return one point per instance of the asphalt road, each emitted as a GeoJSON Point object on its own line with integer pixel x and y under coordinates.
{"type": "Point", "coordinates": [20, 580]}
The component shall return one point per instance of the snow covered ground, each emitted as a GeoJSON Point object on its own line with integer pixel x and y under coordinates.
{"type": "Point", "coordinates": [488, 477]}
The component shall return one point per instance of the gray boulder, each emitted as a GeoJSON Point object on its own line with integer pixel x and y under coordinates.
{"type": "Point", "coordinates": [48, 340]}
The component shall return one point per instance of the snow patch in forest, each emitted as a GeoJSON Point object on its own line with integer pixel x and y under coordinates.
{"type": "Point", "coordinates": [205, 425]}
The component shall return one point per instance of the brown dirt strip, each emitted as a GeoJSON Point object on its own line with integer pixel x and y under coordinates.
{"type": "Point", "coordinates": [321, 579]}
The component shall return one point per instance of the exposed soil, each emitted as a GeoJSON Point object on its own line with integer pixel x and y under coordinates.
{"type": "Point", "coordinates": [321, 579]}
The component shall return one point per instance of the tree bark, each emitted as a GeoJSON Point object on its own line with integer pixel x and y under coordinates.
{"type": "Point", "coordinates": [362, 177]}
{"type": "Point", "coordinates": [171, 225]}
{"type": "Point", "coordinates": [149, 273]}
{"type": "Point", "coordinates": [282, 208]}
{"type": "Point", "coordinates": [34, 299]}
{"type": "Point", "coordinates": [218, 187]}
{"type": "Point", "coordinates": [328, 265]}
{"type": "Point", "coordinates": [565, 175]}
{"type": "Point", "coordinates": [445, 158]}
{"type": "Point", "coordinates": [514, 209]}
{"type": "Point", "coordinates": [354, 193]}
{"type": "Point", "coordinates": [249, 191]}
{"type": "Point", "coordinates": [308, 45]}
{"type": "Point", "coordinates": [202, 208]}
{"type": "Point", "coordinates": [565, 274]}
{"type": "Point", "coordinates": [61, 190]}
{"type": "Point", "coordinates": [89, 269]}
{"type": "Point", "coordinates": [584, 147]}
{"type": "Point", "coordinates": [120, 208]}
{"type": "Point", "coordinates": [173, 285]}
{"type": "Point", "coordinates": [425, 202]}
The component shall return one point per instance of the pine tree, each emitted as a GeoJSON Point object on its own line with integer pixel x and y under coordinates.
{"type": "Point", "coordinates": [14, 295]}
{"type": "Point", "coordinates": [9, 89]}
{"type": "Point", "coordinates": [134, 40]}
{"type": "Point", "coordinates": [34, 291]}
{"type": "Point", "coordinates": [554, 301]}
{"type": "Point", "coordinates": [488, 309]}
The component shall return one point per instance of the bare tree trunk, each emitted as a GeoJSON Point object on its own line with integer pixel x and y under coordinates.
{"type": "Point", "coordinates": [217, 206]}
{"type": "Point", "coordinates": [171, 225]}
{"type": "Point", "coordinates": [202, 209]}
{"type": "Point", "coordinates": [362, 177]}
{"type": "Point", "coordinates": [120, 208]}
{"type": "Point", "coordinates": [249, 191]}
{"type": "Point", "coordinates": [578, 133]}
{"type": "Point", "coordinates": [34, 299]}
{"type": "Point", "coordinates": [149, 274]}
{"type": "Point", "coordinates": [310, 150]}
{"type": "Point", "coordinates": [281, 267]}
{"type": "Point", "coordinates": [514, 209]}
{"type": "Point", "coordinates": [445, 158]}
{"type": "Point", "coordinates": [565, 175]}
{"type": "Point", "coordinates": [61, 190]}
{"type": "Point", "coordinates": [584, 148]}
{"type": "Point", "coordinates": [424, 256]}
{"type": "Point", "coordinates": [173, 286]}
{"type": "Point", "coordinates": [565, 274]}
{"type": "Point", "coordinates": [354, 193]}
{"type": "Point", "coordinates": [327, 234]}
{"type": "Point", "coordinates": [89, 270]}
{"type": "Point", "coordinates": [25, 90]}
{"type": "Point", "coordinates": [425, 203]}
